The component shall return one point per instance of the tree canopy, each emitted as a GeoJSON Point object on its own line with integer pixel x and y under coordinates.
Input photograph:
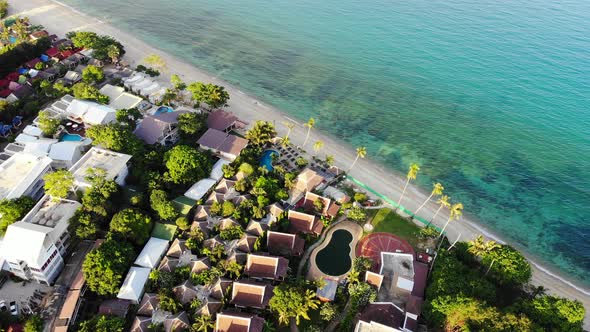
{"type": "Point", "coordinates": [192, 124]}
{"type": "Point", "coordinates": [115, 137]}
{"type": "Point", "coordinates": [186, 165]}
{"type": "Point", "coordinates": [262, 133]}
{"type": "Point", "coordinates": [103, 46]}
{"type": "Point", "coordinates": [133, 225]}
{"type": "Point", "coordinates": [92, 74]}
{"type": "Point", "coordinates": [129, 117]}
{"type": "Point", "coordinates": [160, 203]}
{"type": "Point", "coordinates": [291, 301]}
{"type": "Point", "coordinates": [58, 183]}
{"type": "Point", "coordinates": [13, 210]}
{"type": "Point", "coordinates": [104, 268]}
{"type": "Point", "coordinates": [47, 124]}
{"type": "Point", "coordinates": [102, 323]}
{"type": "Point", "coordinates": [88, 92]}
{"type": "Point", "coordinates": [33, 324]}
{"type": "Point", "coordinates": [213, 95]}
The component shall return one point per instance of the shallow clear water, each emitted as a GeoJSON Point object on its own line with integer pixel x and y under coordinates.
{"type": "Point", "coordinates": [489, 97]}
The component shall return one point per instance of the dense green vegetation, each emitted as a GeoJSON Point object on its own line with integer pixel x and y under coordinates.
{"type": "Point", "coordinates": [105, 47]}
{"type": "Point", "coordinates": [463, 296]}
{"type": "Point", "coordinates": [105, 267]}
{"type": "Point", "coordinates": [3, 8]}
{"type": "Point", "coordinates": [12, 210]}
{"type": "Point", "coordinates": [14, 55]}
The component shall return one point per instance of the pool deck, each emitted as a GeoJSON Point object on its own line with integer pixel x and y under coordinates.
{"type": "Point", "coordinates": [314, 273]}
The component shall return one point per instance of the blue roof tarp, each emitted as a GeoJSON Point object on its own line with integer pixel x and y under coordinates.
{"type": "Point", "coordinates": [23, 71]}
{"type": "Point", "coordinates": [44, 58]}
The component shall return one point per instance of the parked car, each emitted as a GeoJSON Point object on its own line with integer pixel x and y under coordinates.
{"type": "Point", "coordinates": [13, 308]}
{"type": "Point", "coordinates": [3, 307]}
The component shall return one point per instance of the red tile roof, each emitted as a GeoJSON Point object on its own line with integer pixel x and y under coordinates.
{"type": "Point", "coordinates": [238, 322]}
{"type": "Point", "coordinates": [31, 63]}
{"type": "Point", "coordinates": [251, 294]}
{"type": "Point", "coordinates": [284, 243]}
{"type": "Point", "coordinates": [268, 267]}
{"type": "Point", "coordinates": [52, 52]}
{"type": "Point", "coordinates": [304, 223]}
{"type": "Point", "coordinates": [220, 141]}
{"type": "Point", "coordinates": [221, 120]}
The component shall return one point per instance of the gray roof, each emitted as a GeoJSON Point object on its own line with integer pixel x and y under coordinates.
{"type": "Point", "coordinates": [154, 126]}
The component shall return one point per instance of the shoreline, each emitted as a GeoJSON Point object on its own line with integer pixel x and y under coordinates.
{"type": "Point", "coordinates": [60, 18]}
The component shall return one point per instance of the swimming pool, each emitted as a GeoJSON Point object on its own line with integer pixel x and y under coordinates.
{"type": "Point", "coordinates": [163, 109]}
{"type": "Point", "coordinates": [71, 138]}
{"type": "Point", "coordinates": [334, 259]}
{"type": "Point", "coordinates": [266, 159]}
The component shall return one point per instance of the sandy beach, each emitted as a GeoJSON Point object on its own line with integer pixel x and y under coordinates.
{"type": "Point", "coordinates": [60, 19]}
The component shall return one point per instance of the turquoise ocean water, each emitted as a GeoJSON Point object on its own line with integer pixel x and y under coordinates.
{"type": "Point", "coordinates": [490, 97]}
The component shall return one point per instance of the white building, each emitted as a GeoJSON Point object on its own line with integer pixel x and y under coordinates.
{"type": "Point", "coordinates": [152, 253]}
{"type": "Point", "coordinates": [34, 247]}
{"type": "Point", "coordinates": [113, 163]}
{"type": "Point", "coordinates": [132, 288]}
{"type": "Point", "coordinates": [22, 174]}
{"type": "Point", "coordinates": [90, 113]}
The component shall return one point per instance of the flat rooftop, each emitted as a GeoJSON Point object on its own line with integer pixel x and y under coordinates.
{"type": "Point", "coordinates": [111, 162]}
{"type": "Point", "coordinates": [19, 172]}
{"type": "Point", "coordinates": [49, 213]}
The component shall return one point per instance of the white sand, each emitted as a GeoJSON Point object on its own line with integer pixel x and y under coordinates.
{"type": "Point", "coordinates": [60, 19]}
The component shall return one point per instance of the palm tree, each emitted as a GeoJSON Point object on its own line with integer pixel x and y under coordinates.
{"type": "Point", "coordinates": [437, 190]}
{"type": "Point", "coordinates": [443, 201]}
{"type": "Point", "coordinates": [361, 152]}
{"type": "Point", "coordinates": [203, 323]}
{"type": "Point", "coordinates": [113, 52]}
{"type": "Point", "coordinates": [290, 126]}
{"type": "Point", "coordinates": [317, 146]}
{"type": "Point", "coordinates": [480, 248]}
{"type": "Point", "coordinates": [456, 212]}
{"type": "Point", "coordinates": [310, 123]}
{"type": "Point", "coordinates": [285, 141]}
{"type": "Point", "coordinates": [5, 34]}
{"type": "Point", "coordinates": [329, 160]}
{"type": "Point", "coordinates": [268, 326]}
{"type": "Point", "coordinates": [412, 173]}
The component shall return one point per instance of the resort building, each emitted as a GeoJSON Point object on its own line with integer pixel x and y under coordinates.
{"type": "Point", "coordinates": [306, 181]}
{"type": "Point", "coordinates": [119, 99]}
{"type": "Point", "coordinates": [284, 244]}
{"type": "Point", "coordinates": [177, 322]}
{"type": "Point", "coordinates": [248, 294]}
{"type": "Point", "coordinates": [225, 145]}
{"type": "Point", "coordinates": [266, 267]}
{"type": "Point", "coordinates": [300, 222]}
{"type": "Point", "coordinates": [141, 324]}
{"type": "Point", "coordinates": [152, 253]}
{"type": "Point", "coordinates": [90, 113]}
{"type": "Point", "coordinates": [159, 128]}
{"type": "Point", "coordinates": [22, 175]}
{"type": "Point", "coordinates": [113, 163]}
{"type": "Point", "coordinates": [224, 121]}
{"type": "Point", "coordinates": [34, 247]}
{"type": "Point", "coordinates": [134, 284]}
{"type": "Point", "coordinates": [65, 154]}
{"type": "Point", "coordinates": [185, 292]}
{"type": "Point", "coordinates": [400, 284]}
{"type": "Point", "coordinates": [229, 321]}
{"type": "Point", "coordinates": [328, 208]}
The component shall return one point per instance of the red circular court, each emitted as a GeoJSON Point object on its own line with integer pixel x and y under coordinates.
{"type": "Point", "coordinates": [374, 244]}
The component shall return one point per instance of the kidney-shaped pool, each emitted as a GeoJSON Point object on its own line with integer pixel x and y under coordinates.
{"type": "Point", "coordinates": [334, 259]}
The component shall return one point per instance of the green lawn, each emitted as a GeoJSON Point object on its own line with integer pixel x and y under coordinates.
{"type": "Point", "coordinates": [164, 231]}
{"type": "Point", "coordinates": [387, 221]}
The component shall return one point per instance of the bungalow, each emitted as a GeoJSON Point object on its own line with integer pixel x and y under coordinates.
{"type": "Point", "coordinates": [168, 264]}
{"type": "Point", "coordinates": [328, 208]}
{"type": "Point", "coordinates": [149, 303]}
{"type": "Point", "coordinates": [202, 213]}
{"type": "Point", "coordinates": [32, 63]}
{"type": "Point", "coordinates": [304, 223]}
{"type": "Point", "coordinates": [266, 267]}
{"type": "Point", "coordinates": [210, 307]}
{"type": "Point", "coordinates": [284, 244]}
{"type": "Point", "coordinates": [185, 292]}
{"type": "Point", "coordinates": [238, 322]}
{"type": "Point", "coordinates": [72, 77]}
{"type": "Point", "coordinates": [160, 128]}
{"type": "Point", "coordinates": [49, 74]}
{"type": "Point", "coordinates": [65, 154]}
{"type": "Point", "coordinates": [141, 324]}
{"type": "Point", "coordinates": [177, 248]}
{"type": "Point", "coordinates": [306, 181]}
{"type": "Point", "coordinates": [248, 294]}
{"type": "Point", "coordinates": [117, 307]}
{"type": "Point", "coordinates": [226, 145]}
{"type": "Point", "coordinates": [247, 243]}
{"type": "Point", "coordinates": [224, 121]}
{"type": "Point", "coordinates": [152, 253]}
{"type": "Point", "coordinates": [119, 99]}
{"type": "Point", "coordinates": [132, 288]}
{"type": "Point", "coordinates": [383, 317]}
{"type": "Point", "coordinates": [200, 265]}
{"type": "Point", "coordinates": [256, 228]}
{"type": "Point", "coordinates": [225, 186]}
{"type": "Point", "coordinates": [90, 113]}
{"type": "Point", "coordinates": [53, 53]}
{"type": "Point", "coordinates": [178, 322]}
{"type": "Point", "coordinates": [113, 163]}
{"type": "Point", "coordinates": [23, 92]}
{"type": "Point", "coordinates": [38, 34]}
{"type": "Point", "coordinates": [220, 288]}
